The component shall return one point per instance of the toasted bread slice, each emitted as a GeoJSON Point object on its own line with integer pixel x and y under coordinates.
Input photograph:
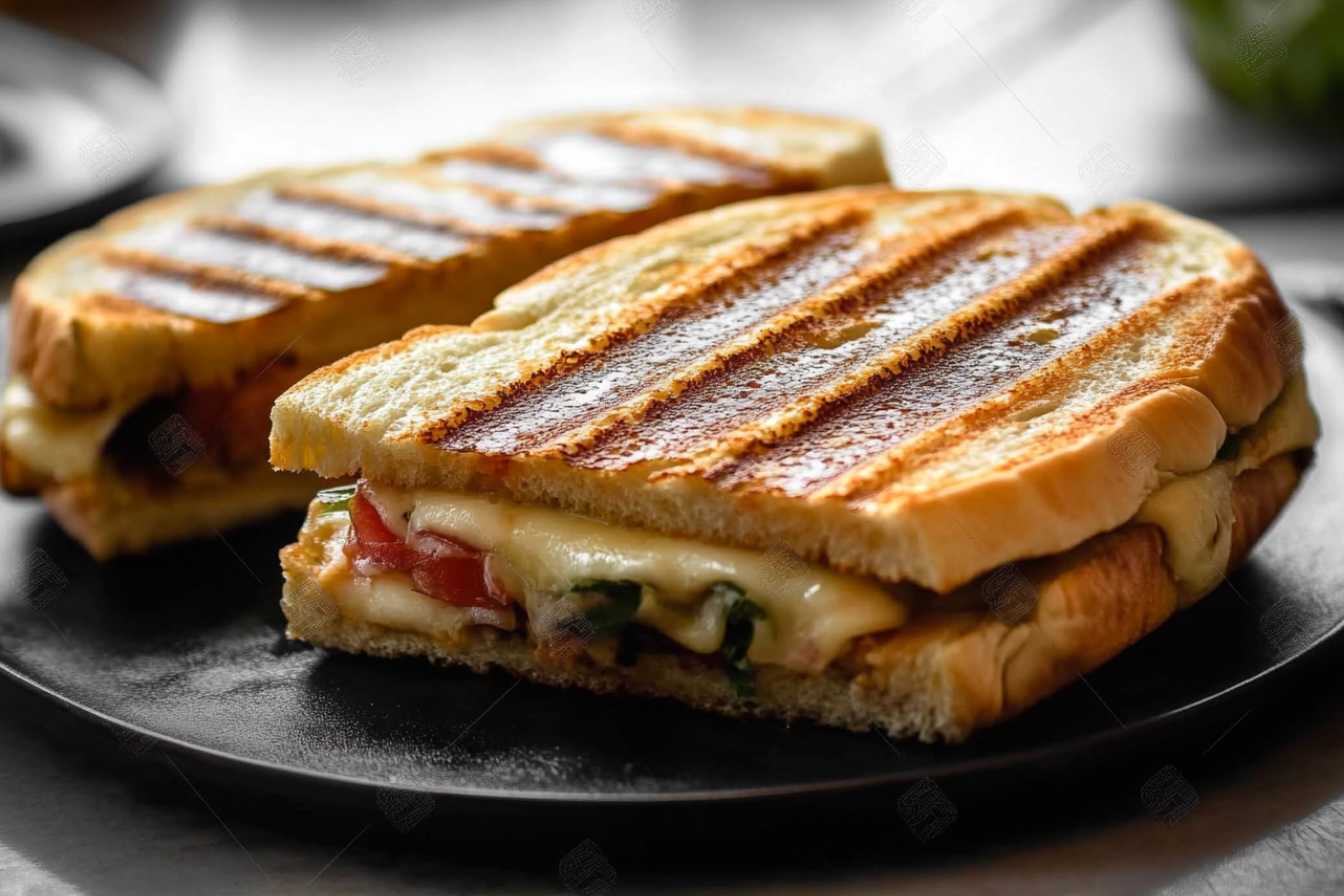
{"type": "Point", "coordinates": [940, 677]}
{"type": "Point", "coordinates": [200, 287]}
{"type": "Point", "coordinates": [198, 308]}
{"type": "Point", "coordinates": [912, 387]}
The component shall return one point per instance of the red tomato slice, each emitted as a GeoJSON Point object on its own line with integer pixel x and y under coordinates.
{"type": "Point", "coordinates": [439, 566]}
{"type": "Point", "coordinates": [372, 545]}
{"type": "Point", "coordinates": [452, 571]}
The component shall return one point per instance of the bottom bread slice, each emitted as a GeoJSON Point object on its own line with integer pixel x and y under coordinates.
{"type": "Point", "coordinates": [110, 514]}
{"type": "Point", "coordinates": [943, 675]}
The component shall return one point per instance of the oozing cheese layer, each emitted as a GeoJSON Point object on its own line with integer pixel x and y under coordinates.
{"type": "Point", "coordinates": [1194, 511]}
{"type": "Point", "coordinates": [811, 612]}
{"type": "Point", "coordinates": [59, 444]}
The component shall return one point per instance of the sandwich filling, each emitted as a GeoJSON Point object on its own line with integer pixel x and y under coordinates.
{"type": "Point", "coordinates": [441, 564]}
{"type": "Point", "coordinates": [225, 426]}
{"type": "Point", "coordinates": [435, 562]}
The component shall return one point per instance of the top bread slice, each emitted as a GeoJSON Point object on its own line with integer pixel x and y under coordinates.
{"type": "Point", "coordinates": [203, 287]}
{"type": "Point", "coordinates": [913, 386]}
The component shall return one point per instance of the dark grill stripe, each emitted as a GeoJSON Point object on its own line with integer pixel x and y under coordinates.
{"type": "Point", "coordinates": [628, 366]}
{"type": "Point", "coordinates": [759, 383]}
{"type": "Point", "coordinates": [337, 223]}
{"type": "Point", "coordinates": [939, 387]}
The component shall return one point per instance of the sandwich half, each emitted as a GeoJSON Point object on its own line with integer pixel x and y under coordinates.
{"type": "Point", "coordinates": [867, 457]}
{"type": "Point", "coordinates": [146, 352]}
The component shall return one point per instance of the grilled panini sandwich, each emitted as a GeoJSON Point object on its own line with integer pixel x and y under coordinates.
{"type": "Point", "coordinates": [146, 352]}
{"type": "Point", "coordinates": [867, 457]}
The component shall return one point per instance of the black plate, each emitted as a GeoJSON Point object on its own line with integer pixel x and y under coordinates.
{"type": "Point", "coordinates": [183, 649]}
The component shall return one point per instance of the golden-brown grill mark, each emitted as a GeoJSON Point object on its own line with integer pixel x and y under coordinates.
{"type": "Point", "coordinates": [154, 292]}
{"type": "Point", "coordinates": [333, 228]}
{"type": "Point", "coordinates": [414, 217]}
{"type": "Point", "coordinates": [869, 332]}
{"type": "Point", "coordinates": [303, 242]}
{"type": "Point", "coordinates": [207, 275]}
{"type": "Point", "coordinates": [697, 315]}
{"type": "Point", "coordinates": [371, 206]}
{"type": "Point", "coordinates": [487, 153]}
{"type": "Point", "coordinates": [831, 316]}
{"type": "Point", "coordinates": [879, 480]}
{"type": "Point", "coordinates": [867, 427]}
{"type": "Point", "coordinates": [763, 172]}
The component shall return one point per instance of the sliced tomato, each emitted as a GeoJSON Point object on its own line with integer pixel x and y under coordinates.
{"type": "Point", "coordinates": [372, 546]}
{"type": "Point", "coordinates": [440, 567]}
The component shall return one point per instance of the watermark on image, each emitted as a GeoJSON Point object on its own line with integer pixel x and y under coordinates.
{"type": "Point", "coordinates": [783, 565]}
{"type": "Point", "coordinates": [926, 810]}
{"type": "Point", "coordinates": [915, 12]}
{"type": "Point", "coordinates": [1286, 339]}
{"type": "Point", "coordinates": [586, 871]}
{"type": "Point", "coordinates": [1260, 48]}
{"type": "Point", "coordinates": [916, 162]}
{"type": "Point", "coordinates": [176, 444]}
{"type": "Point", "coordinates": [1282, 623]}
{"type": "Point", "coordinates": [647, 15]}
{"type": "Point", "coordinates": [310, 603]}
{"type": "Point", "coordinates": [1168, 795]}
{"type": "Point", "coordinates": [358, 56]}
{"type": "Point", "coordinates": [41, 580]}
{"type": "Point", "coordinates": [1134, 450]}
{"type": "Point", "coordinates": [104, 154]}
{"type": "Point", "coordinates": [1104, 170]}
{"type": "Point", "coordinates": [1009, 594]}
{"type": "Point", "coordinates": [404, 810]}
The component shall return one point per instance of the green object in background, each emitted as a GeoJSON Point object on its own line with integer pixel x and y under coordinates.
{"type": "Point", "coordinates": [1281, 59]}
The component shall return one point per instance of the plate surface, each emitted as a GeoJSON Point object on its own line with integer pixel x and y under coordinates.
{"type": "Point", "coordinates": [75, 125]}
{"type": "Point", "coordinates": [183, 648]}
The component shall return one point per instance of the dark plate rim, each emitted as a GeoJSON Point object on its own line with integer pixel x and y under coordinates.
{"type": "Point", "coordinates": [1056, 750]}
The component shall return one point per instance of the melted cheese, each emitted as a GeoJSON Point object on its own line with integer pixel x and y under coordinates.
{"type": "Point", "coordinates": [388, 599]}
{"type": "Point", "coordinates": [812, 613]}
{"type": "Point", "coordinates": [58, 444]}
{"type": "Point", "coordinates": [1195, 515]}
{"type": "Point", "coordinates": [1195, 511]}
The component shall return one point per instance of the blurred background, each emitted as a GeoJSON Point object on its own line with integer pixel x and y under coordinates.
{"type": "Point", "coordinates": [1211, 105]}
{"type": "Point", "coordinates": [1228, 108]}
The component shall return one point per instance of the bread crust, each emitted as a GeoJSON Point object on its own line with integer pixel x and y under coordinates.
{"type": "Point", "coordinates": [111, 515]}
{"type": "Point", "coordinates": [946, 674]}
{"type": "Point", "coordinates": [1153, 393]}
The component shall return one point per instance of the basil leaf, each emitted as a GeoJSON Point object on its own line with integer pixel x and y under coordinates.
{"type": "Point", "coordinates": [617, 603]}
{"type": "Point", "coordinates": [738, 632]}
{"type": "Point", "coordinates": [336, 500]}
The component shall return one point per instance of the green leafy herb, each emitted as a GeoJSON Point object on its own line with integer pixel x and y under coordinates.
{"type": "Point", "coordinates": [739, 629]}
{"type": "Point", "coordinates": [613, 603]}
{"type": "Point", "coordinates": [336, 500]}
